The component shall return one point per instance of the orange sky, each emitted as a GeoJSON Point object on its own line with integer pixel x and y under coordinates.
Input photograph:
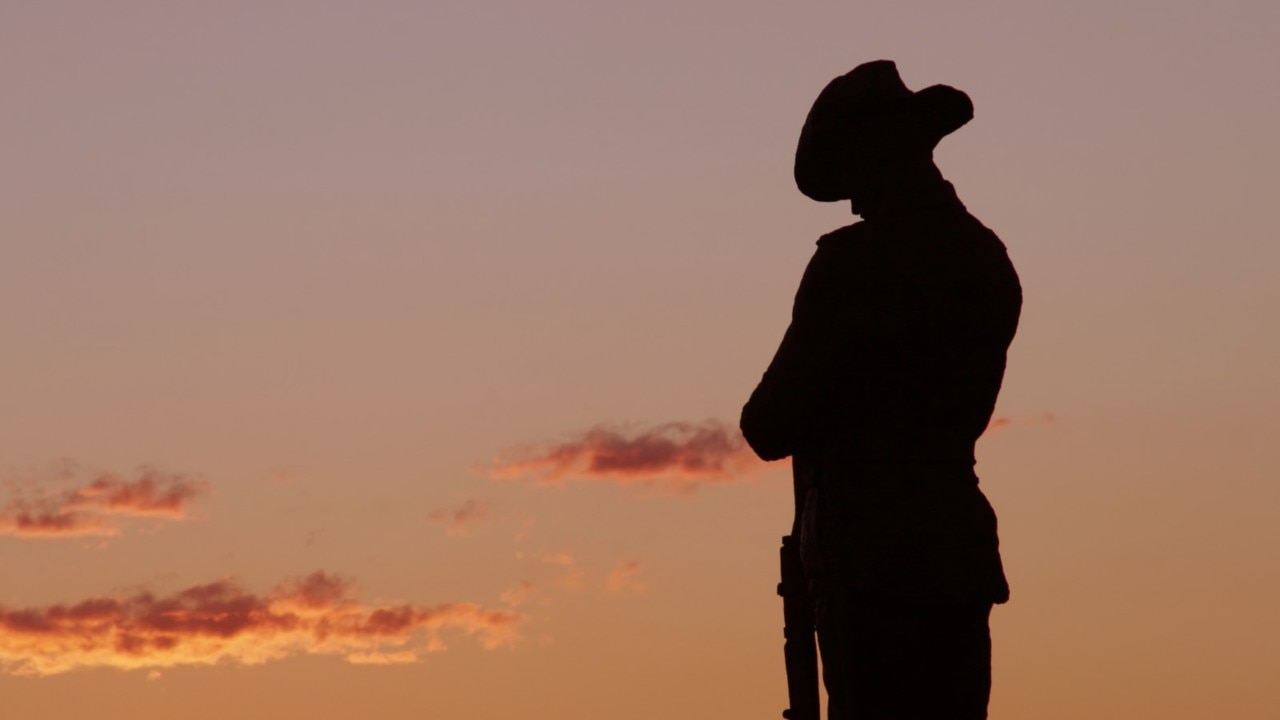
{"type": "Point", "coordinates": [382, 359]}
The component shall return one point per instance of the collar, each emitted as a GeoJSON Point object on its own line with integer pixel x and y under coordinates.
{"type": "Point", "coordinates": [918, 195]}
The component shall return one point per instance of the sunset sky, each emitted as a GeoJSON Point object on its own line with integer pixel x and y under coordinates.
{"type": "Point", "coordinates": [383, 359]}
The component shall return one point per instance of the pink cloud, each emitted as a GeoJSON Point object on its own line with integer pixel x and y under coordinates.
{"type": "Point", "coordinates": [565, 570]}
{"type": "Point", "coordinates": [88, 509]}
{"type": "Point", "coordinates": [997, 423]}
{"type": "Point", "coordinates": [460, 520]}
{"type": "Point", "coordinates": [674, 456]}
{"type": "Point", "coordinates": [563, 559]}
{"type": "Point", "coordinates": [623, 577]}
{"type": "Point", "coordinates": [1000, 423]}
{"type": "Point", "coordinates": [519, 594]}
{"type": "Point", "coordinates": [221, 622]}
{"type": "Point", "coordinates": [152, 493]}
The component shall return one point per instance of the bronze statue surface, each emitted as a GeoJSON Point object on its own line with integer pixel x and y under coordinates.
{"type": "Point", "coordinates": [883, 382]}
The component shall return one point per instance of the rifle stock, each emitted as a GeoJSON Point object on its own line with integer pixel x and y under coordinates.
{"type": "Point", "coordinates": [799, 647]}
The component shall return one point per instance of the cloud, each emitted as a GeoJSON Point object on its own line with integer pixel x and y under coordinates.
{"type": "Point", "coordinates": [24, 521]}
{"type": "Point", "coordinates": [1000, 423]}
{"type": "Point", "coordinates": [568, 574]}
{"type": "Point", "coordinates": [221, 622]}
{"type": "Point", "coordinates": [88, 509]}
{"type": "Point", "coordinates": [623, 577]}
{"type": "Point", "coordinates": [997, 423]}
{"type": "Point", "coordinates": [519, 594]}
{"type": "Point", "coordinates": [459, 520]}
{"type": "Point", "coordinates": [675, 456]}
{"type": "Point", "coordinates": [563, 559]}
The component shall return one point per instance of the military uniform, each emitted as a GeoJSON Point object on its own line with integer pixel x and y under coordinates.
{"type": "Point", "coordinates": [884, 380]}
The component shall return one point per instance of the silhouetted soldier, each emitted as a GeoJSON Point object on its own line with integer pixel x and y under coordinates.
{"type": "Point", "coordinates": [883, 382]}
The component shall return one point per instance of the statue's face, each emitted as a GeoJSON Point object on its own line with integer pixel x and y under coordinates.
{"type": "Point", "coordinates": [863, 174]}
{"type": "Point", "coordinates": [874, 156]}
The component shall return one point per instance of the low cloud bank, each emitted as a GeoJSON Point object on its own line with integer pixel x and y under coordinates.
{"type": "Point", "coordinates": [222, 622]}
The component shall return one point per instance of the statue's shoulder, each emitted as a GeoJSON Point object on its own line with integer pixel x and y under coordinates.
{"type": "Point", "coordinates": [849, 236]}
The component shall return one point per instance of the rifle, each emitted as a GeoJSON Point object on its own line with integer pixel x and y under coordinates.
{"type": "Point", "coordinates": [799, 647]}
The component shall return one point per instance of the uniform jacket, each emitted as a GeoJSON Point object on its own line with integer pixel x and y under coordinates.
{"type": "Point", "coordinates": [883, 382]}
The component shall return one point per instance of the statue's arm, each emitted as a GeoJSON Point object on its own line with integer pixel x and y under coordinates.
{"type": "Point", "coordinates": [786, 408]}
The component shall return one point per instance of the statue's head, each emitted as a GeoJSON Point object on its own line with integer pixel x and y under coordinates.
{"type": "Point", "coordinates": [864, 123]}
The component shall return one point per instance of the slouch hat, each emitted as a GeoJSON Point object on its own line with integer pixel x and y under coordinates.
{"type": "Point", "coordinates": [866, 106]}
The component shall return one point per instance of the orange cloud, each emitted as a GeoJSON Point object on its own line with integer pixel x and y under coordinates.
{"type": "Point", "coordinates": [568, 573]}
{"type": "Point", "coordinates": [623, 577]}
{"type": "Point", "coordinates": [25, 521]}
{"type": "Point", "coordinates": [999, 423]}
{"type": "Point", "coordinates": [563, 559]}
{"type": "Point", "coordinates": [86, 510]}
{"type": "Point", "coordinates": [519, 594]}
{"type": "Point", "coordinates": [674, 456]}
{"type": "Point", "coordinates": [221, 622]}
{"type": "Point", "coordinates": [459, 520]}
